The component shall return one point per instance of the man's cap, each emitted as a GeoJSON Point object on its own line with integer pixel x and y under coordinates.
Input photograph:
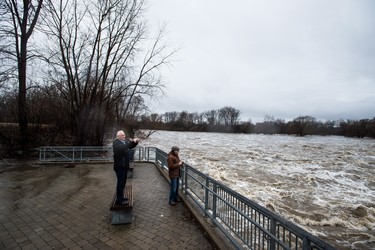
{"type": "Point", "coordinates": [175, 148]}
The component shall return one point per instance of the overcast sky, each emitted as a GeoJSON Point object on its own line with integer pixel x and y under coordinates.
{"type": "Point", "coordinates": [283, 58]}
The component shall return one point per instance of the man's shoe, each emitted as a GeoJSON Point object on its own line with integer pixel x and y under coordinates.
{"type": "Point", "coordinates": [178, 200]}
{"type": "Point", "coordinates": [172, 203]}
{"type": "Point", "coordinates": [123, 203]}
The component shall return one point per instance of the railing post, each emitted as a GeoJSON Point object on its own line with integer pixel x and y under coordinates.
{"type": "Point", "coordinates": [140, 154]}
{"type": "Point", "coordinates": [73, 154]}
{"type": "Point", "coordinates": [206, 200]}
{"type": "Point", "coordinates": [158, 157]}
{"type": "Point", "coordinates": [306, 244]}
{"type": "Point", "coordinates": [183, 178]}
{"type": "Point", "coordinates": [214, 201]}
{"type": "Point", "coordinates": [273, 232]}
{"type": "Point", "coordinates": [185, 184]}
{"type": "Point", "coordinates": [148, 155]}
{"type": "Point", "coordinates": [40, 154]}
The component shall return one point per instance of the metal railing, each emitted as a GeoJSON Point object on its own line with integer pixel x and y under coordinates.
{"type": "Point", "coordinates": [82, 154]}
{"type": "Point", "coordinates": [246, 224]}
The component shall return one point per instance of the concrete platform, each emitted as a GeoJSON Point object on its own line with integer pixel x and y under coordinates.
{"type": "Point", "coordinates": [67, 207]}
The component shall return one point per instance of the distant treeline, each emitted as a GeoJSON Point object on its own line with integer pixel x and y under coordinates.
{"type": "Point", "coordinates": [227, 120]}
{"type": "Point", "coordinates": [49, 125]}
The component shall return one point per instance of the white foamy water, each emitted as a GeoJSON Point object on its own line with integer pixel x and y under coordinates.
{"type": "Point", "coordinates": [324, 184]}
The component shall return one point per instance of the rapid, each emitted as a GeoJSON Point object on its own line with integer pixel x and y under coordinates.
{"type": "Point", "coordinates": [325, 184]}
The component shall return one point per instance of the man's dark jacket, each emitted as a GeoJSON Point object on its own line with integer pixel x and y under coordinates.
{"type": "Point", "coordinates": [121, 153]}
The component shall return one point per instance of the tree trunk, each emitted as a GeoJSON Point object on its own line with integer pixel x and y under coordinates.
{"type": "Point", "coordinates": [22, 108]}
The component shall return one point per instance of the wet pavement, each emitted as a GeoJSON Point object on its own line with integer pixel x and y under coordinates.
{"type": "Point", "coordinates": [67, 207]}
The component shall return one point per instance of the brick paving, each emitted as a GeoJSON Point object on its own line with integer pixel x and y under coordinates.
{"type": "Point", "coordinates": [67, 207]}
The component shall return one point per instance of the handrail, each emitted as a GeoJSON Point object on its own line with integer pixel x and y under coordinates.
{"type": "Point", "coordinates": [244, 222]}
{"type": "Point", "coordinates": [81, 154]}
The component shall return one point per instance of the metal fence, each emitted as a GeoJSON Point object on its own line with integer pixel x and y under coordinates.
{"type": "Point", "coordinates": [82, 154]}
{"type": "Point", "coordinates": [246, 224]}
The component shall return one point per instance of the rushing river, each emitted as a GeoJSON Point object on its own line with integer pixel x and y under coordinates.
{"type": "Point", "coordinates": [326, 185]}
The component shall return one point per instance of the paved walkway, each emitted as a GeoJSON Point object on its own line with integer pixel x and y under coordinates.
{"type": "Point", "coordinates": [67, 207]}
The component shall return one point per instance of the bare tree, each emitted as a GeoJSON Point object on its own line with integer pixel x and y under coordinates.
{"type": "Point", "coordinates": [98, 59]}
{"type": "Point", "coordinates": [133, 114]}
{"type": "Point", "coordinates": [303, 125]}
{"type": "Point", "coordinates": [170, 117]}
{"type": "Point", "coordinates": [183, 118]}
{"type": "Point", "coordinates": [268, 126]}
{"type": "Point", "coordinates": [211, 117]}
{"type": "Point", "coordinates": [199, 118]}
{"type": "Point", "coordinates": [229, 116]}
{"type": "Point", "coordinates": [154, 117]}
{"type": "Point", "coordinates": [19, 19]}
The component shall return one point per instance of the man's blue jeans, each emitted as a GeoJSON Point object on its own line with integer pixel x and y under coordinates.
{"type": "Point", "coordinates": [173, 194]}
{"type": "Point", "coordinates": [121, 182]}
